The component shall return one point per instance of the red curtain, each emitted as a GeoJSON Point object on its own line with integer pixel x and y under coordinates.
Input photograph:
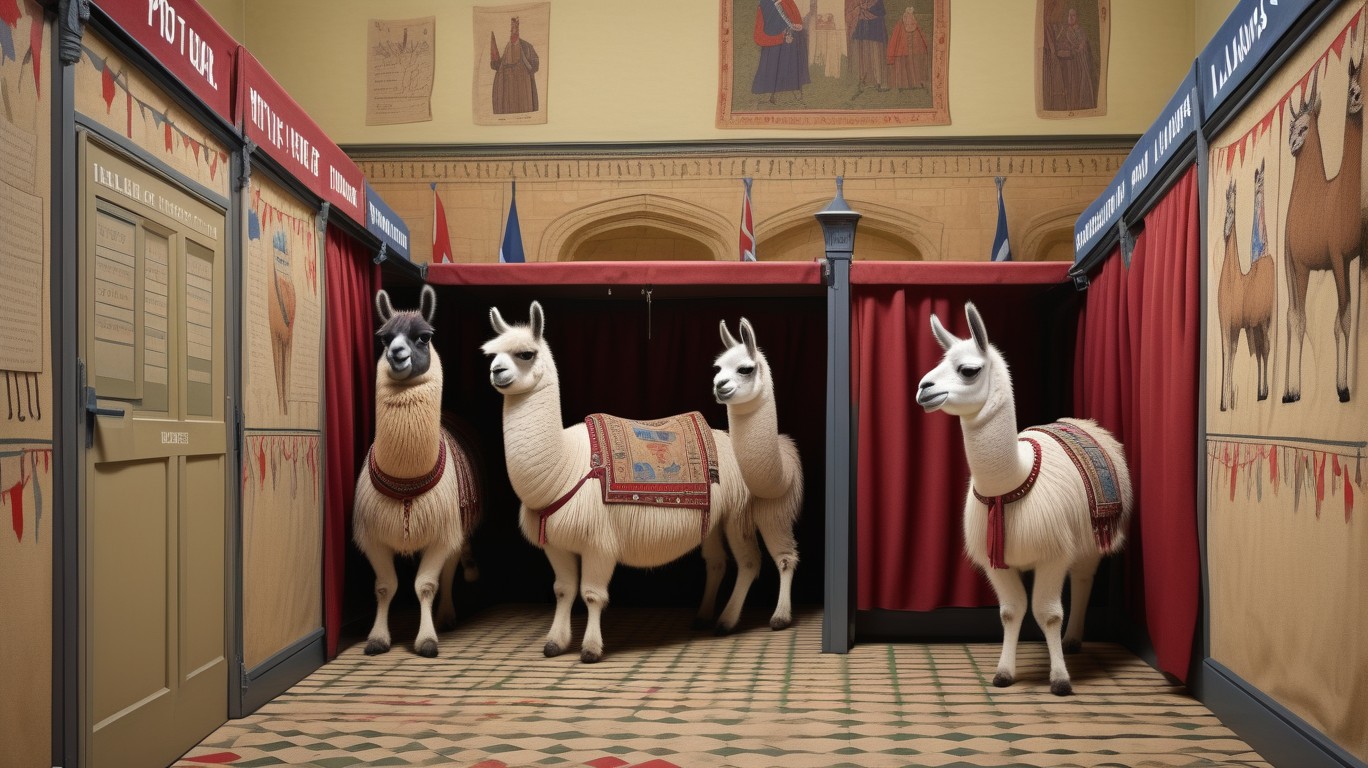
{"type": "Point", "coordinates": [349, 384]}
{"type": "Point", "coordinates": [911, 471]}
{"type": "Point", "coordinates": [1137, 374]}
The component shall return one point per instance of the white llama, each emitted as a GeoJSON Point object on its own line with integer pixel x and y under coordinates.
{"type": "Point", "coordinates": [584, 537]}
{"type": "Point", "coordinates": [417, 492]}
{"type": "Point", "coordinates": [1053, 499]}
{"type": "Point", "coordinates": [769, 461]}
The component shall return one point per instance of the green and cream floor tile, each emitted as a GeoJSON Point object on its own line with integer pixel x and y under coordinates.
{"type": "Point", "coordinates": [665, 695]}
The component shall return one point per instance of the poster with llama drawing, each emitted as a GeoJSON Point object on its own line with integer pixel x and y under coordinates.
{"type": "Point", "coordinates": [1286, 406]}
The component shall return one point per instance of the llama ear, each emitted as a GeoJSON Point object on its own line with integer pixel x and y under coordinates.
{"type": "Point", "coordinates": [496, 321]}
{"type": "Point", "coordinates": [538, 320]}
{"type": "Point", "coordinates": [976, 330]}
{"type": "Point", "coordinates": [943, 337]}
{"type": "Point", "coordinates": [748, 337]}
{"type": "Point", "coordinates": [427, 303]}
{"type": "Point", "coordinates": [728, 340]}
{"type": "Point", "coordinates": [383, 307]}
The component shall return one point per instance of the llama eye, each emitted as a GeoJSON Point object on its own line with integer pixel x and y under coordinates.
{"type": "Point", "coordinates": [424, 338]}
{"type": "Point", "coordinates": [969, 371]}
{"type": "Point", "coordinates": [525, 356]}
{"type": "Point", "coordinates": [746, 370]}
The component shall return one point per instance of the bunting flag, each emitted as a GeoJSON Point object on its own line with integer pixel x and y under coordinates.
{"type": "Point", "coordinates": [511, 250]}
{"type": "Point", "coordinates": [1002, 250]}
{"type": "Point", "coordinates": [1321, 473]}
{"type": "Point", "coordinates": [441, 238]}
{"type": "Point", "coordinates": [747, 226]}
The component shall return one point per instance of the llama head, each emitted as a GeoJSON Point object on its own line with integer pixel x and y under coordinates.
{"type": "Point", "coordinates": [1355, 104]}
{"type": "Point", "coordinates": [743, 374]}
{"type": "Point", "coordinates": [971, 376]}
{"type": "Point", "coordinates": [407, 335]}
{"type": "Point", "coordinates": [1230, 209]}
{"type": "Point", "coordinates": [1302, 119]}
{"type": "Point", "coordinates": [520, 359]}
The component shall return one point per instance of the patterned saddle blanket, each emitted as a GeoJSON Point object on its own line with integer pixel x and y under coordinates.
{"type": "Point", "coordinates": [1099, 478]}
{"type": "Point", "coordinates": [669, 462]}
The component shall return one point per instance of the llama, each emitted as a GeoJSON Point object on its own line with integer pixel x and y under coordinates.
{"type": "Point", "coordinates": [418, 494]}
{"type": "Point", "coordinates": [769, 461]}
{"type": "Point", "coordinates": [1324, 225]}
{"type": "Point", "coordinates": [1053, 499]}
{"type": "Point", "coordinates": [584, 538]}
{"type": "Point", "coordinates": [1245, 300]}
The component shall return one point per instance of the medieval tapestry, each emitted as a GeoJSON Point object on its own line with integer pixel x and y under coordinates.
{"type": "Point", "coordinates": [833, 64]}
{"type": "Point", "coordinates": [1071, 50]}
{"type": "Point", "coordinates": [512, 56]}
{"type": "Point", "coordinates": [1286, 408]}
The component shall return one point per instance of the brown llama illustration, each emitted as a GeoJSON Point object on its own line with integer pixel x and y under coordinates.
{"type": "Point", "coordinates": [1324, 225]}
{"type": "Point", "coordinates": [281, 308]}
{"type": "Point", "coordinates": [1245, 300]}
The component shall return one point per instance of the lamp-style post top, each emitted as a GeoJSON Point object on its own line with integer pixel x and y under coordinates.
{"type": "Point", "coordinates": [838, 224]}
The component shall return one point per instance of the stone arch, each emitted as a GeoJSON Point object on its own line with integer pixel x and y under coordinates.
{"type": "Point", "coordinates": [670, 228]}
{"type": "Point", "coordinates": [883, 234]}
{"type": "Point", "coordinates": [1049, 236]}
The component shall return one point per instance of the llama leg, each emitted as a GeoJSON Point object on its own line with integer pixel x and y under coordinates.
{"type": "Point", "coordinates": [715, 565]}
{"type": "Point", "coordinates": [470, 570]}
{"type": "Point", "coordinates": [1047, 605]}
{"type": "Point", "coordinates": [1343, 323]}
{"type": "Point", "coordinates": [783, 549]}
{"type": "Point", "coordinates": [567, 569]}
{"type": "Point", "coordinates": [1228, 350]}
{"type": "Point", "coordinates": [446, 597]}
{"type": "Point", "coordinates": [741, 537]}
{"type": "Point", "coordinates": [386, 581]}
{"type": "Point", "coordinates": [1296, 332]}
{"type": "Point", "coordinates": [430, 569]}
{"type": "Point", "coordinates": [1011, 595]}
{"type": "Point", "coordinates": [597, 572]}
{"type": "Point", "coordinates": [1080, 589]}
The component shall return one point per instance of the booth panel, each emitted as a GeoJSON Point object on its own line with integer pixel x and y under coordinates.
{"type": "Point", "coordinates": [26, 426]}
{"type": "Point", "coordinates": [282, 395]}
{"type": "Point", "coordinates": [1286, 421]}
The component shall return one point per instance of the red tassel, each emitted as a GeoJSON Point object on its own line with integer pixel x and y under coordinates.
{"type": "Point", "coordinates": [16, 494]}
{"type": "Point", "coordinates": [997, 535]}
{"type": "Point", "coordinates": [1273, 466]}
{"type": "Point", "coordinates": [1348, 499]}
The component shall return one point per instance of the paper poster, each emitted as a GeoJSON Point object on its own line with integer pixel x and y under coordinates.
{"type": "Point", "coordinates": [400, 58]}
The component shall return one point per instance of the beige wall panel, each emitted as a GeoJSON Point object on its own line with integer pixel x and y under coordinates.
{"type": "Point", "coordinates": [112, 92]}
{"type": "Point", "coordinates": [26, 477]}
{"type": "Point", "coordinates": [1288, 506]}
{"type": "Point", "coordinates": [915, 205]}
{"type": "Point", "coordinates": [657, 78]}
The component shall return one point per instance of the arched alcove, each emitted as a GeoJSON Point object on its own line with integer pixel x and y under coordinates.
{"type": "Point", "coordinates": [638, 228]}
{"type": "Point", "coordinates": [1048, 237]}
{"type": "Point", "coordinates": [883, 234]}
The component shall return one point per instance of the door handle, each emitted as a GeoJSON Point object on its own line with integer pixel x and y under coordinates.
{"type": "Point", "coordinates": [93, 409]}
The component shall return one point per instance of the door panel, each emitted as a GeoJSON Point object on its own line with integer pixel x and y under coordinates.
{"type": "Point", "coordinates": [156, 472]}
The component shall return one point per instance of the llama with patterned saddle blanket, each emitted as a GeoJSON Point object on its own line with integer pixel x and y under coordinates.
{"type": "Point", "coordinates": [665, 486]}
{"type": "Point", "coordinates": [1053, 499]}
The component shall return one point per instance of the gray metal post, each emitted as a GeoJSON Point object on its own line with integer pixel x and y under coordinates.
{"type": "Point", "coordinates": [838, 612]}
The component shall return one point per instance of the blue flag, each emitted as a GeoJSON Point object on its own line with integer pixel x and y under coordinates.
{"type": "Point", "coordinates": [1002, 250]}
{"type": "Point", "coordinates": [511, 250]}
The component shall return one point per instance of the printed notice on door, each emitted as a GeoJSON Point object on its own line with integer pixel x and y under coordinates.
{"type": "Point", "coordinates": [399, 66]}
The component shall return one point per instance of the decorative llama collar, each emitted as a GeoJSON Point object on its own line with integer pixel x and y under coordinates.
{"type": "Point", "coordinates": [669, 462]}
{"type": "Point", "coordinates": [1094, 465]}
{"type": "Point", "coordinates": [406, 489]}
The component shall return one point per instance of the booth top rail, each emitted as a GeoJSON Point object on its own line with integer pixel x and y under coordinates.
{"type": "Point", "coordinates": [678, 278]}
{"type": "Point", "coordinates": [957, 272]}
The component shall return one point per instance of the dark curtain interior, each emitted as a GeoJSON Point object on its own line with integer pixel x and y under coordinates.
{"type": "Point", "coordinates": [623, 355]}
{"type": "Point", "coordinates": [1137, 374]}
{"type": "Point", "coordinates": [912, 474]}
{"type": "Point", "coordinates": [349, 384]}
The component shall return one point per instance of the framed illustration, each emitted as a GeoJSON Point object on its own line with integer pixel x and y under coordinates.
{"type": "Point", "coordinates": [833, 63]}
{"type": "Point", "coordinates": [1071, 51]}
{"type": "Point", "coordinates": [512, 56]}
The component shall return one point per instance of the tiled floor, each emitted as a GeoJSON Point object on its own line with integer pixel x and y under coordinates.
{"type": "Point", "coordinates": [665, 695]}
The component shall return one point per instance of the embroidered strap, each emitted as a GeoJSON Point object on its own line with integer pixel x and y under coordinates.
{"type": "Point", "coordinates": [406, 489]}
{"type": "Point", "coordinates": [551, 509]}
{"type": "Point", "coordinates": [997, 521]}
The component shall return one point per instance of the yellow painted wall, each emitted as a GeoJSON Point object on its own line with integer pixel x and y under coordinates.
{"type": "Point", "coordinates": [633, 71]}
{"type": "Point", "coordinates": [230, 14]}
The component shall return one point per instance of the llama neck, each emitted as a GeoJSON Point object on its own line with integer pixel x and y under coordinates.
{"type": "Point", "coordinates": [754, 430]}
{"type": "Point", "coordinates": [408, 421]}
{"type": "Point", "coordinates": [997, 462]}
{"type": "Point", "coordinates": [541, 462]}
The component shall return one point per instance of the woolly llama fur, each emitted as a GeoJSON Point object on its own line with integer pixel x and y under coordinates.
{"type": "Point", "coordinates": [586, 538]}
{"type": "Point", "coordinates": [1050, 528]}
{"type": "Point", "coordinates": [395, 512]}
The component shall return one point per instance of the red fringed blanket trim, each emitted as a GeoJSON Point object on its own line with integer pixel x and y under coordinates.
{"type": "Point", "coordinates": [997, 520]}
{"type": "Point", "coordinates": [406, 489]}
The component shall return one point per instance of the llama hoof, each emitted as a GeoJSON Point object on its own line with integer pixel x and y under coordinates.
{"type": "Point", "coordinates": [1061, 688]}
{"type": "Point", "coordinates": [777, 623]}
{"type": "Point", "coordinates": [1343, 395]}
{"type": "Point", "coordinates": [376, 646]}
{"type": "Point", "coordinates": [1073, 646]}
{"type": "Point", "coordinates": [1002, 679]}
{"type": "Point", "coordinates": [1291, 398]}
{"type": "Point", "coordinates": [427, 649]}
{"type": "Point", "coordinates": [552, 648]}
{"type": "Point", "coordinates": [722, 630]}
{"type": "Point", "coordinates": [590, 657]}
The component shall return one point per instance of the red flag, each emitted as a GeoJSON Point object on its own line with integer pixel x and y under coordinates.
{"type": "Point", "coordinates": [441, 239]}
{"type": "Point", "coordinates": [747, 227]}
